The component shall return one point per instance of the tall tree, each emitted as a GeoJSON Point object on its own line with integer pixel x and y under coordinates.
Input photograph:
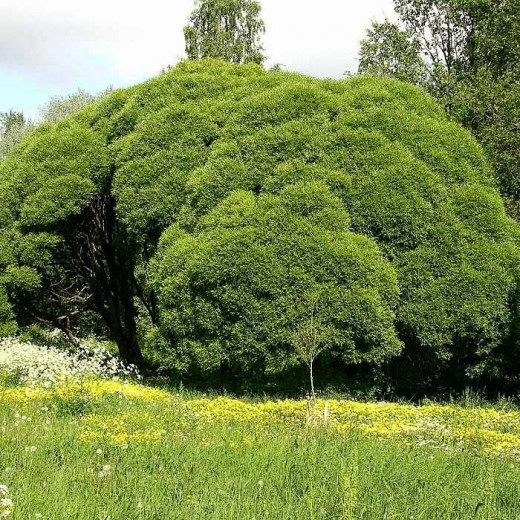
{"type": "Point", "coordinates": [388, 50]}
{"type": "Point", "coordinates": [226, 29]}
{"type": "Point", "coordinates": [442, 27]}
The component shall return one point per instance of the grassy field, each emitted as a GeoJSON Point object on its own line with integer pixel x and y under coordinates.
{"type": "Point", "coordinates": [117, 451]}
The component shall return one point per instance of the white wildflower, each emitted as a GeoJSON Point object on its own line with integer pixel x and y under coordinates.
{"type": "Point", "coordinates": [105, 471]}
{"type": "Point", "coordinates": [46, 367]}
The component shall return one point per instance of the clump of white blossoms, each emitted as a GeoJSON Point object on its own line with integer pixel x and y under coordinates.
{"type": "Point", "coordinates": [36, 365]}
{"type": "Point", "coordinates": [6, 504]}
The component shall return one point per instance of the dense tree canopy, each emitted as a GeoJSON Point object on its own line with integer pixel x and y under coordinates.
{"type": "Point", "coordinates": [239, 286]}
{"type": "Point", "coordinates": [226, 29]}
{"type": "Point", "coordinates": [203, 209]}
{"type": "Point", "coordinates": [471, 56]}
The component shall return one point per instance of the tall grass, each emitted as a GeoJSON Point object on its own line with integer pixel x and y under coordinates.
{"type": "Point", "coordinates": [230, 469]}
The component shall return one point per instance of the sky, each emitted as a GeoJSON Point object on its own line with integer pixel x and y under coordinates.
{"type": "Point", "coordinates": [54, 47]}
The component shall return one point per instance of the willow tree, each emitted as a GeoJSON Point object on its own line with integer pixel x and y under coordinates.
{"type": "Point", "coordinates": [225, 29]}
{"type": "Point", "coordinates": [197, 211]}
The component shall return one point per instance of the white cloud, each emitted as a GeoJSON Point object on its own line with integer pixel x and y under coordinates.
{"type": "Point", "coordinates": [65, 42]}
{"type": "Point", "coordinates": [319, 38]}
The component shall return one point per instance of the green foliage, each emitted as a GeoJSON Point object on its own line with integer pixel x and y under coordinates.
{"type": "Point", "coordinates": [473, 61]}
{"type": "Point", "coordinates": [389, 51]}
{"type": "Point", "coordinates": [443, 27]}
{"type": "Point", "coordinates": [225, 29]}
{"type": "Point", "coordinates": [14, 126]}
{"type": "Point", "coordinates": [489, 107]}
{"type": "Point", "coordinates": [9, 121]}
{"type": "Point", "coordinates": [200, 209]}
{"type": "Point", "coordinates": [236, 289]}
{"type": "Point", "coordinates": [60, 107]}
{"type": "Point", "coordinates": [8, 325]}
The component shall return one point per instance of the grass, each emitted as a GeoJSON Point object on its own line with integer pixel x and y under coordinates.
{"type": "Point", "coordinates": [121, 452]}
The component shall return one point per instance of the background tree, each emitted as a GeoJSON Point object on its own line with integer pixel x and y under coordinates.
{"type": "Point", "coordinates": [13, 128]}
{"type": "Point", "coordinates": [432, 40]}
{"type": "Point", "coordinates": [227, 29]}
{"type": "Point", "coordinates": [442, 27]}
{"type": "Point", "coordinates": [486, 99]}
{"type": "Point", "coordinates": [9, 120]}
{"type": "Point", "coordinates": [60, 107]}
{"type": "Point", "coordinates": [388, 50]}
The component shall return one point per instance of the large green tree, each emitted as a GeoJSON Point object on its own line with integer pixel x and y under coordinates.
{"type": "Point", "coordinates": [227, 29]}
{"type": "Point", "coordinates": [390, 51]}
{"type": "Point", "coordinates": [196, 213]}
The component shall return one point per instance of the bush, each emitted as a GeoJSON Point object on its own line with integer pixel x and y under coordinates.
{"type": "Point", "coordinates": [238, 289]}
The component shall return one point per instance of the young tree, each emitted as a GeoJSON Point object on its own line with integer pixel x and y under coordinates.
{"type": "Point", "coordinates": [388, 50]}
{"type": "Point", "coordinates": [311, 337]}
{"type": "Point", "coordinates": [225, 29]}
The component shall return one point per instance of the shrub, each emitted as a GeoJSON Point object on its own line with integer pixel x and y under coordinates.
{"type": "Point", "coordinates": [238, 288]}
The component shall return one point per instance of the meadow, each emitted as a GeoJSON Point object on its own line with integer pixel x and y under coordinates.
{"type": "Point", "coordinates": [239, 227]}
{"type": "Point", "coordinates": [115, 450]}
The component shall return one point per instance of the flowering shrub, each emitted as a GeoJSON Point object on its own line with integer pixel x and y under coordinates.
{"type": "Point", "coordinates": [37, 366]}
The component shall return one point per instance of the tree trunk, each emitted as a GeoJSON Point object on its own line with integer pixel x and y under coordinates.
{"type": "Point", "coordinates": [120, 292]}
{"type": "Point", "coordinates": [100, 254]}
{"type": "Point", "coordinates": [311, 373]}
{"type": "Point", "coordinates": [126, 340]}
